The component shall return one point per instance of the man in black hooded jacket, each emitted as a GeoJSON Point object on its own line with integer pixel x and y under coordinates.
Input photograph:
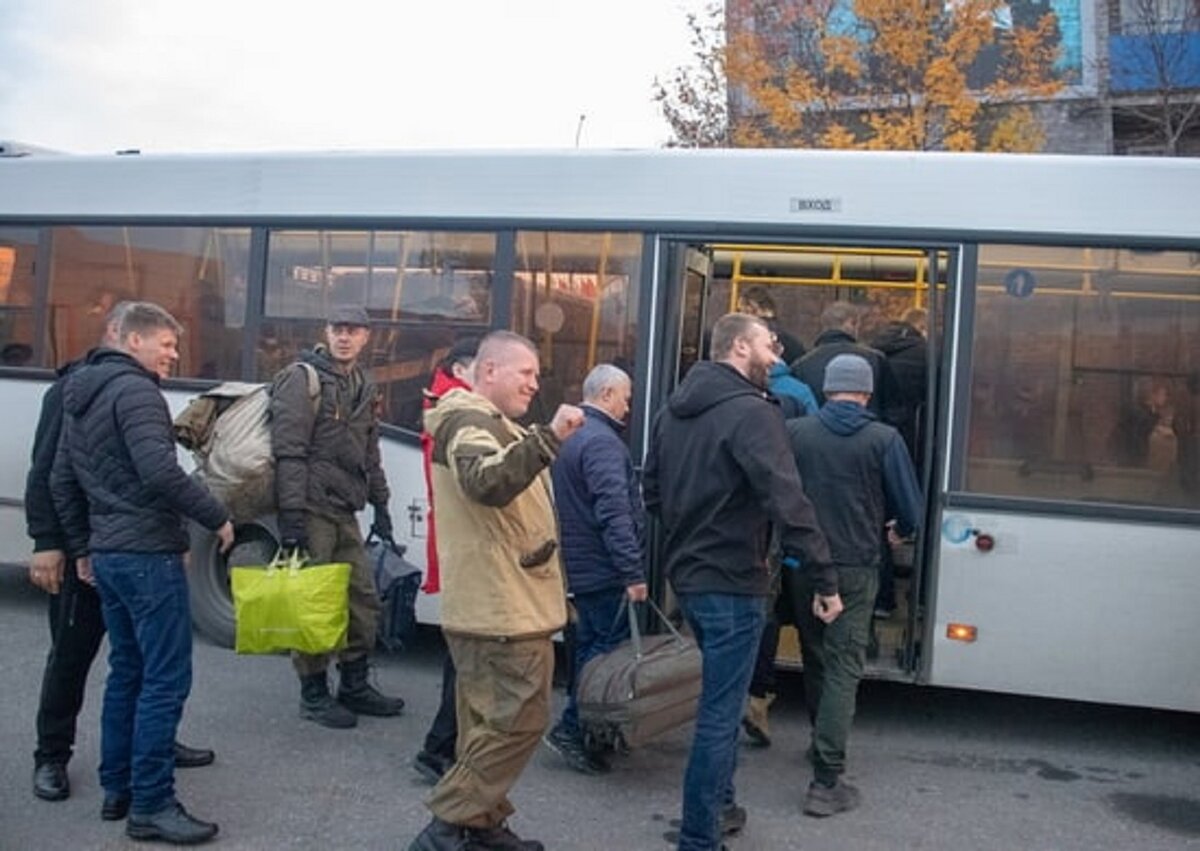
{"type": "Point", "coordinates": [121, 497]}
{"type": "Point", "coordinates": [718, 474]}
{"type": "Point", "coordinates": [76, 624]}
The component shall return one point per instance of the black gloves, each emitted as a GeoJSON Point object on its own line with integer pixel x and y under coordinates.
{"type": "Point", "coordinates": [293, 530]}
{"type": "Point", "coordinates": [382, 525]}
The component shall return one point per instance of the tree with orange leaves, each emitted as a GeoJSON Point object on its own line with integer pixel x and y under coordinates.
{"type": "Point", "coordinates": [958, 75]}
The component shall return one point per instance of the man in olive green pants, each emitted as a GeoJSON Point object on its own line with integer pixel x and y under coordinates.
{"type": "Point", "coordinates": [325, 439]}
{"type": "Point", "coordinates": [858, 474]}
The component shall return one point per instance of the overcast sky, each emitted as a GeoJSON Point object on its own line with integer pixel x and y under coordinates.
{"type": "Point", "coordinates": [90, 76]}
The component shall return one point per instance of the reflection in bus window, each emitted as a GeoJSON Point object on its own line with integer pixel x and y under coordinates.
{"type": "Point", "coordinates": [396, 275]}
{"type": "Point", "coordinates": [18, 254]}
{"type": "Point", "coordinates": [198, 274]}
{"type": "Point", "coordinates": [1086, 376]}
{"type": "Point", "coordinates": [575, 295]}
{"type": "Point", "coordinates": [422, 289]}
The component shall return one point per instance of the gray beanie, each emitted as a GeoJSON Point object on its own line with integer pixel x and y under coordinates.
{"type": "Point", "coordinates": [849, 374]}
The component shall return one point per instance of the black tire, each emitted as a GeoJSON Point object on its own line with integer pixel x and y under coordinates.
{"type": "Point", "coordinates": [208, 575]}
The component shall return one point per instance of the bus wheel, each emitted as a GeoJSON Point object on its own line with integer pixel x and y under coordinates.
{"type": "Point", "coordinates": [208, 576]}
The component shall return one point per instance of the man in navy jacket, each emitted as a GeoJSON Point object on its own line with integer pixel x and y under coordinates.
{"type": "Point", "coordinates": [601, 521]}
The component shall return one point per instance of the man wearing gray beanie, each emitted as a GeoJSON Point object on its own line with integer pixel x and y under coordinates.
{"type": "Point", "coordinates": [858, 475]}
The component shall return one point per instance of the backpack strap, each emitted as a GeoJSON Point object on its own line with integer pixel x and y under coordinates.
{"type": "Point", "coordinates": [314, 384]}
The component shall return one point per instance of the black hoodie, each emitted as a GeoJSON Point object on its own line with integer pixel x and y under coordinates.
{"type": "Point", "coordinates": [718, 474]}
{"type": "Point", "coordinates": [116, 483]}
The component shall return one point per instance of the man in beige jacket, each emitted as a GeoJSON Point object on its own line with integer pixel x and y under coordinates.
{"type": "Point", "coordinates": [502, 587]}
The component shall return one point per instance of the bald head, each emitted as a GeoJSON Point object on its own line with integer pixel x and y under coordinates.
{"type": "Point", "coordinates": [506, 372]}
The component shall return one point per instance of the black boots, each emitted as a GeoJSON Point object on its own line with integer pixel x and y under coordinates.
{"type": "Point", "coordinates": [50, 781]}
{"type": "Point", "coordinates": [173, 825]}
{"type": "Point", "coordinates": [357, 694]}
{"type": "Point", "coordinates": [316, 704]}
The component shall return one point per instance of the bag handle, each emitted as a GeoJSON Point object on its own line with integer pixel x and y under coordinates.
{"type": "Point", "coordinates": [291, 560]}
{"type": "Point", "coordinates": [635, 631]}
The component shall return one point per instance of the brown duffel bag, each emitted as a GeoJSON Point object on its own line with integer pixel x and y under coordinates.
{"type": "Point", "coordinates": [643, 688]}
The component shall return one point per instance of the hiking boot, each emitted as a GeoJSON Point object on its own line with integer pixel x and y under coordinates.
{"type": "Point", "coordinates": [733, 819]}
{"type": "Point", "coordinates": [115, 806]}
{"type": "Point", "coordinates": [570, 747]}
{"type": "Point", "coordinates": [431, 766]}
{"type": "Point", "coordinates": [824, 801]}
{"type": "Point", "coordinates": [172, 824]}
{"type": "Point", "coordinates": [440, 835]}
{"type": "Point", "coordinates": [499, 838]}
{"type": "Point", "coordinates": [316, 704]}
{"type": "Point", "coordinates": [356, 693]}
{"type": "Point", "coordinates": [755, 721]}
{"type": "Point", "coordinates": [50, 781]}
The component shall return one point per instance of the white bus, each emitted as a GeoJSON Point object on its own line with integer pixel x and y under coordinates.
{"type": "Point", "coordinates": [1059, 430]}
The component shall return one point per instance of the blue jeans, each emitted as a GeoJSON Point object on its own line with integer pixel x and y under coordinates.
{"type": "Point", "coordinates": [144, 597]}
{"type": "Point", "coordinates": [597, 631]}
{"type": "Point", "coordinates": [728, 629]}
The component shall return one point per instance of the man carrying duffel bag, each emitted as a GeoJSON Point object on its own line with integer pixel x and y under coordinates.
{"type": "Point", "coordinates": [601, 520]}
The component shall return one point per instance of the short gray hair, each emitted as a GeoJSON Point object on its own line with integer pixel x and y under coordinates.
{"type": "Point", "coordinates": [603, 375]}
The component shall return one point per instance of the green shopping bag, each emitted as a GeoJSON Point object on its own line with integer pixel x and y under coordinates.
{"type": "Point", "coordinates": [290, 605]}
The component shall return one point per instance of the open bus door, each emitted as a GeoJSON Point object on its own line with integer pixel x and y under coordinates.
{"type": "Point", "coordinates": [702, 281]}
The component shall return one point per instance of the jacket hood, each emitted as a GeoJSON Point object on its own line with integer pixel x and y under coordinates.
{"type": "Point", "coordinates": [845, 417]}
{"type": "Point", "coordinates": [708, 384]}
{"type": "Point", "coordinates": [897, 337]}
{"type": "Point", "coordinates": [101, 367]}
{"type": "Point", "coordinates": [441, 384]}
{"type": "Point", "coordinates": [779, 370]}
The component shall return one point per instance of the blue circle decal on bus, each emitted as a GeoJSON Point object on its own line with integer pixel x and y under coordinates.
{"type": "Point", "coordinates": [1019, 283]}
{"type": "Point", "coordinates": [956, 529]}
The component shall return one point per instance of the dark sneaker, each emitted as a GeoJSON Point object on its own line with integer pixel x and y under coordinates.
{"type": "Point", "coordinates": [50, 781]}
{"type": "Point", "coordinates": [172, 824]}
{"type": "Point", "coordinates": [431, 766]}
{"type": "Point", "coordinates": [824, 801]}
{"type": "Point", "coordinates": [570, 747]}
{"type": "Point", "coordinates": [440, 835]}
{"type": "Point", "coordinates": [115, 807]}
{"type": "Point", "coordinates": [186, 757]}
{"type": "Point", "coordinates": [733, 819]}
{"type": "Point", "coordinates": [499, 839]}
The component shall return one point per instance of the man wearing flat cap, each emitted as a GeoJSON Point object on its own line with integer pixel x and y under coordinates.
{"type": "Point", "coordinates": [327, 468]}
{"type": "Point", "coordinates": [858, 474]}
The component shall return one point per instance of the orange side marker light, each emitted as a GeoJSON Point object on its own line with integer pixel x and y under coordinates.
{"type": "Point", "coordinates": [961, 632]}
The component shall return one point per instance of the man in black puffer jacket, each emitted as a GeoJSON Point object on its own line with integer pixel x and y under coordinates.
{"type": "Point", "coordinates": [327, 468]}
{"type": "Point", "coordinates": [76, 623]}
{"type": "Point", "coordinates": [121, 497]}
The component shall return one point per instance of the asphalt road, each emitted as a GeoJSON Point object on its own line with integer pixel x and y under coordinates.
{"type": "Point", "coordinates": [938, 769]}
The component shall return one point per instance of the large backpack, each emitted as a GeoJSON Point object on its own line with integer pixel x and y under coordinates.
{"type": "Point", "coordinates": [228, 429]}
